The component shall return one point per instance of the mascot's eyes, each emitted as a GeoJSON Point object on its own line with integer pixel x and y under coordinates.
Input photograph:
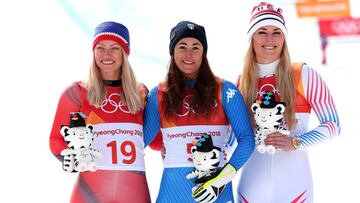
{"type": "Point", "coordinates": [204, 158]}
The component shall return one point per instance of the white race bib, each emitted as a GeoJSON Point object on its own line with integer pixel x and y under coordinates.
{"type": "Point", "coordinates": [121, 145]}
{"type": "Point", "coordinates": [179, 140]}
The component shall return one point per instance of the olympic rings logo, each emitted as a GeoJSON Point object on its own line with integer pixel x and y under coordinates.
{"type": "Point", "coordinates": [263, 88]}
{"type": "Point", "coordinates": [110, 105]}
{"type": "Point", "coordinates": [346, 26]}
{"type": "Point", "coordinates": [186, 106]}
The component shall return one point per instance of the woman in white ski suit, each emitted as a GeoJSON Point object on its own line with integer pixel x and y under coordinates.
{"type": "Point", "coordinates": [285, 176]}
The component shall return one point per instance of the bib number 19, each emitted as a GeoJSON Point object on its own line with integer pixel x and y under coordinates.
{"type": "Point", "coordinates": [127, 150]}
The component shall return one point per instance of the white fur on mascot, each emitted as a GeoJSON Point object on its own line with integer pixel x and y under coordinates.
{"type": "Point", "coordinates": [268, 115]}
{"type": "Point", "coordinates": [78, 156]}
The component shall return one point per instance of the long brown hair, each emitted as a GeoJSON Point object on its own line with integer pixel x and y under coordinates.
{"type": "Point", "coordinates": [284, 80]}
{"type": "Point", "coordinates": [205, 89]}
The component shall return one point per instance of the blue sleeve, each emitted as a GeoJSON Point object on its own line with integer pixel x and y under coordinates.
{"type": "Point", "coordinates": [151, 117]}
{"type": "Point", "coordinates": [237, 114]}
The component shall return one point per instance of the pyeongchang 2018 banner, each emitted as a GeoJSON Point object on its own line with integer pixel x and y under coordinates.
{"type": "Point", "coordinates": [340, 27]}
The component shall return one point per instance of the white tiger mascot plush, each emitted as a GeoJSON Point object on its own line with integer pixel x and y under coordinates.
{"type": "Point", "coordinates": [79, 156]}
{"type": "Point", "coordinates": [206, 158]}
{"type": "Point", "coordinates": [268, 116]}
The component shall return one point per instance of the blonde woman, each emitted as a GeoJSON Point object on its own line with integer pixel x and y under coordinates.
{"type": "Point", "coordinates": [286, 175]}
{"type": "Point", "coordinates": [113, 102]}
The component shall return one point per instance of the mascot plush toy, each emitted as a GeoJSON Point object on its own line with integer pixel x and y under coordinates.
{"type": "Point", "coordinates": [268, 115]}
{"type": "Point", "coordinates": [206, 158]}
{"type": "Point", "coordinates": [79, 156]}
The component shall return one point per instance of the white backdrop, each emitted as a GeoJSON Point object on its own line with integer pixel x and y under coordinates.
{"type": "Point", "coordinates": [46, 46]}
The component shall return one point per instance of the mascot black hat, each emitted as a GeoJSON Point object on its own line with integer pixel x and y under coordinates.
{"type": "Point", "coordinates": [205, 144]}
{"type": "Point", "coordinates": [77, 119]}
{"type": "Point", "coordinates": [268, 100]}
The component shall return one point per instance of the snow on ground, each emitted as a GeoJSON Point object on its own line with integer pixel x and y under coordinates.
{"type": "Point", "coordinates": [44, 50]}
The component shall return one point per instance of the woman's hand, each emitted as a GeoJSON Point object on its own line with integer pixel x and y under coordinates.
{"type": "Point", "coordinates": [280, 141]}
